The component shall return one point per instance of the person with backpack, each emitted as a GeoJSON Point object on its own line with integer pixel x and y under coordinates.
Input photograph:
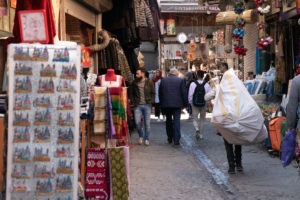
{"type": "Point", "coordinates": [197, 92]}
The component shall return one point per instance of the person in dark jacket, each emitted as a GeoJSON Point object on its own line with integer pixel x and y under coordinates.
{"type": "Point", "coordinates": [173, 97]}
{"type": "Point", "coordinates": [189, 78]}
{"type": "Point", "coordinates": [142, 95]}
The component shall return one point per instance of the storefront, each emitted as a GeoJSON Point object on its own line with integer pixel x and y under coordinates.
{"type": "Point", "coordinates": [68, 103]}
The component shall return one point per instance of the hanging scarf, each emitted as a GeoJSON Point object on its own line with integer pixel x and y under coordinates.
{"type": "Point", "coordinates": [119, 180]}
{"type": "Point", "coordinates": [110, 128]}
{"type": "Point", "coordinates": [157, 78]}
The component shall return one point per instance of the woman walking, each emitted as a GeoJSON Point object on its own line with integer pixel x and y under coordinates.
{"type": "Point", "coordinates": [156, 80]}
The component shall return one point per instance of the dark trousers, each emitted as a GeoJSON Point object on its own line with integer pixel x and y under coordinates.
{"type": "Point", "coordinates": [173, 124]}
{"type": "Point", "coordinates": [157, 109]}
{"type": "Point", "coordinates": [233, 156]}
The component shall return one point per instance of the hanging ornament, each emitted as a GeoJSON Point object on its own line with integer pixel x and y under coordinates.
{"type": "Point", "coordinates": [239, 7]}
{"type": "Point", "coordinates": [203, 39]}
{"type": "Point", "coordinates": [264, 9]}
{"type": "Point", "coordinates": [261, 25]}
{"type": "Point", "coordinates": [240, 50]}
{"type": "Point", "coordinates": [263, 43]}
{"type": "Point", "coordinates": [239, 22]}
{"type": "Point", "coordinates": [192, 46]}
{"type": "Point", "coordinates": [238, 34]}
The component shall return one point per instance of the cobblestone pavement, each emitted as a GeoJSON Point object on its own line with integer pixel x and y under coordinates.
{"type": "Point", "coordinates": [164, 172]}
{"type": "Point", "coordinates": [198, 170]}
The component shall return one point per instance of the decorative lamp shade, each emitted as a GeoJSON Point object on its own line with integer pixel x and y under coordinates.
{"type": "Point", "coordinates": [171, 27]}
{"type": "Point", "coordinates": [203, 39]}
{"type": "Point", "coordinates": [192, 46]}
{"type": "Point", "coordinates": [191, 56]}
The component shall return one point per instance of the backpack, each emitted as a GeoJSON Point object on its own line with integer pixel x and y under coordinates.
{"type": "Point", "coordinates": [198, 97]}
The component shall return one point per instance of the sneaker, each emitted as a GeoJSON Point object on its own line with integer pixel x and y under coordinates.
{"type": "Point", "coordinates": [201, 136]}
{"type": "Point", "coordinates": [158, 120]}
{"type": "Point", "coordinates": [147, 143]}
{"type": "Point", "coordinates": [141, 141]}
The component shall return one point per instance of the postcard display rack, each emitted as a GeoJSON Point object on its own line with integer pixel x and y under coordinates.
{"type": "Point", "coordinates": [43, 141]}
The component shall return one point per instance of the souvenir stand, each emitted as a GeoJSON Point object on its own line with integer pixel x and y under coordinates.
{"type": "Point", "coordinates": [107, 154]}
{"type": "Point", "coordinates": [43, 125]}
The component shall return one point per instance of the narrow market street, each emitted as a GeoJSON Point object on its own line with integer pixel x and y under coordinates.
{"type": "Point", "coordinates": [198, 169]}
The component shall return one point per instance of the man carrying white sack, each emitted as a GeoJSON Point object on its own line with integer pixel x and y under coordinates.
{"type": "Point", "coordinates": [236, 117]}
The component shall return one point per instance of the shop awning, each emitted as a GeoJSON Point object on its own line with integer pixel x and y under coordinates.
{"type": "Point", "coordinates": [189, 8]}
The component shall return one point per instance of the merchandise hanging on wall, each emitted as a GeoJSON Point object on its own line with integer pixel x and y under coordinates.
{"type": "Point", "coordinates": [43, 125]}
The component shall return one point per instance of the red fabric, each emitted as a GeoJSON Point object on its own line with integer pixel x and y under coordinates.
{"type": "Point", "coordinates": [96, 185]}
{"type": "Point", "coordinates": [34, 5]}
{"type": "Point", "coordinates": [157, 78]}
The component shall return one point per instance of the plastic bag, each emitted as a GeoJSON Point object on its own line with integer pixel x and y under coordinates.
{"type": "Point", "coordinates": [288, 148]}
{"type": "Point", "coordinates": [235, 114]}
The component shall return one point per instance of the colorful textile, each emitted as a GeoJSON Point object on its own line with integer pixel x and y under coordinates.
{"type": "Point", "coordinates": [96, 185]}
{"type": "Point", "coordinates": [119, 181]}
{"type": "Point", "coordinates": [110, 128]}
{"type": "Point", "coordinates": [117, 110]}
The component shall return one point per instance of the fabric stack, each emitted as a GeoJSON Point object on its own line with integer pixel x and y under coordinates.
{"type": "Point", "coordinates": [100, 111]}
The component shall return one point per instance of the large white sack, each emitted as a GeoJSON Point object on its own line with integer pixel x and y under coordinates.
{"type": "Point", "coordinates": [235, 114]}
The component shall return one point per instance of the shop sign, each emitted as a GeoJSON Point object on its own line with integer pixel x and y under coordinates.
{"type": "Point", "coordinates": [190, 8]}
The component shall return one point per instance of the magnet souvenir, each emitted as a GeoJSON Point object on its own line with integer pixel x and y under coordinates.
{"type": "Point", "coordinates": [64, 184]}
{"type": "Point", "coordinates": [22, 103]}
{"type": "Point", "coordinates": [43, 102]}
{"type": "Point", "coordinates": [23, 85]}
{"type": "Point", "coordinates": [40, 156]}
{"type": "Point", "coordinates": [46, 86]}
{"type": "Point", "coordinates": [63, 152]}
{"type": "Point", "coordinates": [64, 168]}
{"type": "Point", "coordinates": [65, 86]}
{"type": "Point", "coordinates": [42, 118]}
{"type": "Point", "coordinates": [22, 174]}
{"type": "Point", "coordinates": [68, 198]}
{"type": "Point", "coordinates": [43, 172]}
{"type": "Point", "coordinates": [48, 71]}
{"type": "Point", "coordinates": [65, 136]}
{"type": "Point", "coordinates": [21, 54]}
{"type": "Point", "coordinates": [61, 55]}
{"type": "Point", "coordinates": [40, 54]}
{"type": "Point", "coordinates": [22, 69]}
{"type": "Point", "coordinates": [21, 135]}
{"type": "Point", "coordinates": [65, 103]}
{"type": "Point", "coordinates": [42, 135]}
{"type": "Point", "coordinates": [67, 121]}
{"type": "Point", "coordinates": [20, 119]}
{"type": "Point", "coordinates": [68, 72]}
{"type": "Point", "coordinates": [22, 154]}
{"type": "Point", "coordinates": [44, 188]}
{"type": "Point", "coordinates": [20, 186]}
